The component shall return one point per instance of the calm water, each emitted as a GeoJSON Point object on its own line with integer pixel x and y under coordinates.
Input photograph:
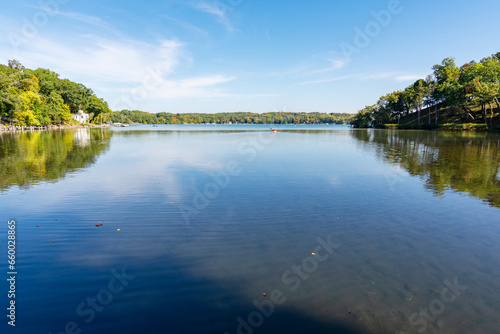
{"type": "Point", "coordinates": [404, 227]}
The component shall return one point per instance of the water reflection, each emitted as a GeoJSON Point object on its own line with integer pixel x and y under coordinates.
{"type": "Point", "coordinates": [29, 157]}
{"type": "Point", "coordinates": [468, 163]}
{"type": "Point", "coordinates": [294, 186]}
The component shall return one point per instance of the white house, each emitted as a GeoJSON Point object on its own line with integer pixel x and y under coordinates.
{"type": "Point", "coordinates": [81, 117]}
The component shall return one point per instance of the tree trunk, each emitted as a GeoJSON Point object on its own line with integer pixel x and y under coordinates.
{"type": "Point", "coordinates": [418, 114]}
{"type": "Point", "coordinates": [429, 111]}
{"type": "Point", "coordinates": [436, 114]}
{"type": "Point", "coordinates": [468, 114]}
{"type": "Point", "coordinates": [483, 112]}
{"type": "Point", "coordinates": [491, 114]}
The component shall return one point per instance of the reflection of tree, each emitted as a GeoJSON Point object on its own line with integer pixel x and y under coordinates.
{"type": "Point", "coordinates": [29, 157]}
{"type": "Point", "coordinates": [468, 163]}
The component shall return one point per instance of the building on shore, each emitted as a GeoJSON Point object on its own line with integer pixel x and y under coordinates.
{"type": "Point", "coordinates": [81, 117]}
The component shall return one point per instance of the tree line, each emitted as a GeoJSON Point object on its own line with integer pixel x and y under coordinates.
{"type": "Point", "coordinates": [472, 89]}
{"type": "Point", "coordinates": [136, 116]}
{"type": "Point", "coordinates": [39, 97]}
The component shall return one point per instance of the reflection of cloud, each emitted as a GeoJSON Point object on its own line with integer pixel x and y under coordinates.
{"type": "Point", "coordinates": [157, 165]}
{"type": "Point", "coordinates": [334, 181]}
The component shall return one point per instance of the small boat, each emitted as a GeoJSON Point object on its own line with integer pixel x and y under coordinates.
{"type": "Point", "coordinates": [120, 125]}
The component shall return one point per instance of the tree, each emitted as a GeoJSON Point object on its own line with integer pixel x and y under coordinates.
{"type": "Point", "coordinates": [407, 97]}
{"type": "Point", "coordinates": [446, 71]}
{"type": "Point", "coordinates": [364, 118]}
{"type": "Point", "coordinates": [481, 84]}
{"type": "Point", "coordinates": [14, 64]}
{"type": "Point", "coordinates": [430, 97]}
{"type": "Point", "coordinates": [96, 107]}
{"type": "Point", "coordinates": [449, 90]}
{"type": "Point", "coordinates": [420, 91]}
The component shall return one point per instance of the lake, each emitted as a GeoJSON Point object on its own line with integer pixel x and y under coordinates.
{"type": "Point", "coordinates": [236, 229]}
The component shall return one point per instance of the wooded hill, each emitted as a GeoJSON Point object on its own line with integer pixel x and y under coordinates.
{"type": "Point", "coordinates": [451, 94]}
{"type": "Point", "coordinates": [40, 97]}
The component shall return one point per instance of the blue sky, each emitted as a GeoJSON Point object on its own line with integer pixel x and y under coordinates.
{"type": "Point", "coordinates": [245, 55]}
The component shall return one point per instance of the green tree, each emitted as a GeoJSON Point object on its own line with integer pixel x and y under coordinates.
{"type": "Point", "coordinates": [364, 118]}
{"type": "Point", "coordinates": [481, 84]}
{"type": "Point", "coordinates": [420, 91]}
{"type": "Point", "coordinates": [430, 97]}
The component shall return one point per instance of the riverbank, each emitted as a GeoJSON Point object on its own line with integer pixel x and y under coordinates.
{"type": "Point", "coordinates": [445, 127]}
{"type": "Point", "coordinates": [12, 128]}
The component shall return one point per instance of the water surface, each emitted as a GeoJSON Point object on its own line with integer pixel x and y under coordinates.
{"type": "Point", "coordinates": [213, 217]}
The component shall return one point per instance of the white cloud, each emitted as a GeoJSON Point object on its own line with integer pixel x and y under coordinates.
{"type": "Point", "coordinates": [84, 18]}
{"type": "Point", "coordinates": [116, 67]}
{"type": "Point", "coordinates": [186, 25]}
{"type": "Point", "coordinates": [335, 64]}
{"type": "Point", "coordinates": [326, 80]}
{"type": "Point", "coordinates": [117, 63]}
{"type": "Point", "coordinates": [411, 77]}
{"type": "Point", "coordinates": [366, 76]}
{"type": "Point", "coordinates": [205, 81]}
{"type": "Point", "coordinates": [216, 11]}
{"type": "Point", "coordinates": [98, 58]}
{"type": "Point", "coordinates": [198, 87]}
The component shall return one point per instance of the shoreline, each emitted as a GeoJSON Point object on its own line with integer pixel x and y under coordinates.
{"type": "Point", "coordinates": [472, 127]}
{"type": "Point", "coordinates": [13, 128]}
{"type": "Point", "coordinates": [469, 127]}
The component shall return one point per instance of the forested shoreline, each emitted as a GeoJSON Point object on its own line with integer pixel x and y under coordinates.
{"type": "Point", "coordinates": [141, 117]}
{"type": "Point", "coordinates": [41, 98]}
{"type": "Point", "coordinates": [451, 95]}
